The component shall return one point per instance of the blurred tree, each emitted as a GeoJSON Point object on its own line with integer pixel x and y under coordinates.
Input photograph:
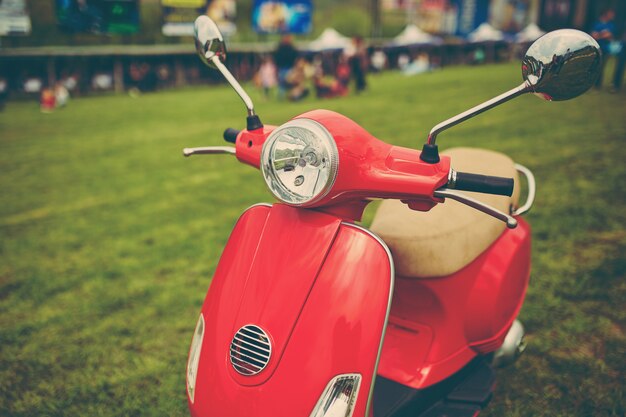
{"type": "Point", "coordinates": [376, 30]}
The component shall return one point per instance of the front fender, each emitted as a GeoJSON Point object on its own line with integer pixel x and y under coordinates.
{"type": "Point", "coordinates": [318, 287]}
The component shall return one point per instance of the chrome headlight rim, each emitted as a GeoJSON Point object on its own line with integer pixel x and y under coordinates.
{"type": "Point", "coordinates": [270, 177]}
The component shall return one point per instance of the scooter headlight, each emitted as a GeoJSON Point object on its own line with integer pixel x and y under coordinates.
{"type": "Point", "coordinates": [299, 162]}
{"type": "Point", "coordinates": [339, 397]}
{"type": "Point", "coordinates": [194, 357]}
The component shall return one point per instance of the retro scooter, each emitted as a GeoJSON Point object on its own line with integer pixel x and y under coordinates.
{"type": "Point", "coordinates": [311, 314]}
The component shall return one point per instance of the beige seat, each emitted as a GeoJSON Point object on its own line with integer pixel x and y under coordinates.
{"type": "Point", "coordinates": [451, 235]}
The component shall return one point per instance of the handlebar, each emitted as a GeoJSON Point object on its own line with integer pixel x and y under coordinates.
{"type": "Point", "coordinates": [487, 184]}
{"type": "Point", "coordinates": [510, 221]}
{"type": "Point", "coordinates": [230, 135]}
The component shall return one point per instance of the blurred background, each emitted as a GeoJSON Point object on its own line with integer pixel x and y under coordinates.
{"type": "Point", "coordinates": [107, 45]}
{"type": "Point", "coordinates": [109, 237]}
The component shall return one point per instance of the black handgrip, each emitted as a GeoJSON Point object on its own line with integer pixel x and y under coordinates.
{"type": "Point", "coordinates": [230, 135]}
{"type": "Point", "coordinates": [482, 184]}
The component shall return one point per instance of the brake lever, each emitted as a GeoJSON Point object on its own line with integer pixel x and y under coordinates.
{"type": "Point", "coordinates": [510, 221]}
{"type": "Point", "coordinates": [209, 150]}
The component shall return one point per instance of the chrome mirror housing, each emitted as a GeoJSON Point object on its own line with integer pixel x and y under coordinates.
{"type": "Point", "coordinates": [209, 41]}
{"type": "Point", "coordinates": [562, 64]}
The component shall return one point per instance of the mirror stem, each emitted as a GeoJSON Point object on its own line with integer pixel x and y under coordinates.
{"type": "Point", "coordinates": [234, 84]}
{"type": "Point", "coordinates": [430, 153]}
{"type": "Point", "coordinates": [475, 111]}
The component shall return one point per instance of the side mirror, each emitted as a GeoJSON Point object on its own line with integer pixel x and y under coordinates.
{"type": "Point", "coordinates": [212, 51]}
{"type": "Point", "coordinates": [209, 41]}
{"type": "Point", "coordinates": [562, 64]}
{"type": "Point", "coordinates": [558, 66]}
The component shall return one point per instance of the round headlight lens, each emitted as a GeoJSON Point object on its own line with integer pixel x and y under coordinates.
{"type": "Point", "coordinates": [299, 162]}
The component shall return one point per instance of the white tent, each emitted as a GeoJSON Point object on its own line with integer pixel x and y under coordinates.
{"type": "Point", "coordinates": [485, 33]}
{"type": "Point", "coordinates": [529, 33]}
{"type": "Point", "coordinates": [328, 40]}
{"type": "Point", "coordinates": [412, 35]}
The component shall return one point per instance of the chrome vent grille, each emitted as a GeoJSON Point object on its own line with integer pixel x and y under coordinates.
{"type": "Point", "coordinates": [250, 350]}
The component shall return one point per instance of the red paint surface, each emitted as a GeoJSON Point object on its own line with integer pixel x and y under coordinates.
{"type": "Point", "coordinates": [320, 289]}
{"type": "Point", "coordinates": [437, 325]}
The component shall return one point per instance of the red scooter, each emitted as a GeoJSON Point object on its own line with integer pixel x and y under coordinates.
{"type": "Point", "coordinates": [311, 315]}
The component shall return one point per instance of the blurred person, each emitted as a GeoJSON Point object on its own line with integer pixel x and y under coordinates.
{"type": "Point", "coordinates": [32, 85]}
{"type": "Point", "coordinates": [603, 31]}
{"type": "Point", "coordinates": [403, 61]}
{"type": "Point", "coordinates": [419, 65]}
{"type": "Point", "coordinates": [318, 66]}
{"type": "Point", "coordinates": [70, 82]}
{"type": "Point", "coordinates": [163, 75]}
{"type": "Point", "coordinates": [4, 92]}
{"type": "Point", "coordinates": [142, 78]}
{"type": "Point", "coordinates": [284, 57]}
{"type": "Point", "coordinates": [267, 77]}
{"type": "Point", "coordinates": [102, 81]}
{"type": "Point", "coordinates": [357, 59]}
{"type": "Point", "coordinates": [61, 95]}
{"type": "Point", "coordinates": [618, 76]}
{"type": "Point", "coordinates": [323, 87]}
{"type": "Point", "coordinates": [47, 101]}
{"type": "Point", "coordinates": [378, 60]}
{"type": "Point", "coordinates": [342, 72]}
{"type": "Point", "coordinates": [478, 56]}
{"type": "Point", "coordinates": [328, 87]}
{"type": "Point", "coordinates": [136, 75]}
{"type": "Point", "coordinates": [297, 79]}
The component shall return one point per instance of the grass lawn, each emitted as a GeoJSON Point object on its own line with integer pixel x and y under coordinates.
{"type": "Point", "coordinates": [109, 237]}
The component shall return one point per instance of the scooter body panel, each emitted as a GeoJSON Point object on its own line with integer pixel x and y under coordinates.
{"type": "Point", "coordinates": [319, 288]}
{"type": "Point", "coordinates": [438, 325]}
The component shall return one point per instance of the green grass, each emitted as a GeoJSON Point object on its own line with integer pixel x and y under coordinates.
{"type": "Point", "coordinates": [109, 237]}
